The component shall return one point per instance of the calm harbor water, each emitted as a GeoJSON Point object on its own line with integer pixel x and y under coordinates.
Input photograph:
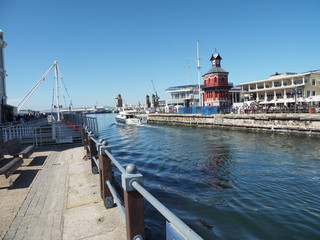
{"type": "Point", "coordinates": [224, 184]}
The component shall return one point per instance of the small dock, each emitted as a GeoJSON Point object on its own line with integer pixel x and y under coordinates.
{"type": "Point", "coordinates": [54, 195]}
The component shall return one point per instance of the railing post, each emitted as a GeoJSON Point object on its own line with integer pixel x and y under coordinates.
{"type": "Point", "coordinates": [134, 205]}
{"type": "Point", "coordinates": [105, 172]}
{"type": "Point", "coordinates": [93, 153]}
{"type": "Point", "coordinates": [83, 135]}
{"type": "Point", "coordinates": [86, 141]}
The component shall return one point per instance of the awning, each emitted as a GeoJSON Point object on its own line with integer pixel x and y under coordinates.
{"type": "Point", "coordinates": [313, 98]}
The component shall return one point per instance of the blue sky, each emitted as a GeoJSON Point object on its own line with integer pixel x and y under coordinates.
{"type": "Point", "coordinates": [109, 47]}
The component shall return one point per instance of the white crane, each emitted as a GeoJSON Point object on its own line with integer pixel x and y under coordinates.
{"type": "Point", "coordinates": [57, 75]}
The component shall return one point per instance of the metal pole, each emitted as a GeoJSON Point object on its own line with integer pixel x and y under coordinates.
{"type": "Point", "coordinates": [295, 100]}
{"type": "Point", "coordinates": [198, 60]}
{"type": "Point", "coordinates": [26, 98]}
{"type": "Point", "coordinates": [57, 89]}
{"type": "Point", "coordinates": [116, 198]}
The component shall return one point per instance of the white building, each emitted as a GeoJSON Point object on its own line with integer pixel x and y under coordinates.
{"type": "Point", "coordinates": [185, 96]}
{"type": "Point", "coordinates": [283, 88]}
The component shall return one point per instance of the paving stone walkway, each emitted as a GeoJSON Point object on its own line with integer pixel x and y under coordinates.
{"type": "Point", "coordinates": [64, 203]}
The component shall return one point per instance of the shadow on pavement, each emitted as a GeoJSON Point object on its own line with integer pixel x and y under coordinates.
{"type": "Point", "coordinates": [37, 161]}
{"type": "Point", "coordinates": [24, 180]}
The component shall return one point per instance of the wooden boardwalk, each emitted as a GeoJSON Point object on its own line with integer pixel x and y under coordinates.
{"type": "Point", "coordinates": [62, 201]}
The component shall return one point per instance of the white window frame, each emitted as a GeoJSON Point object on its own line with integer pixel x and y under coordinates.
{"type": "Point", "coordinates": [308, 93]}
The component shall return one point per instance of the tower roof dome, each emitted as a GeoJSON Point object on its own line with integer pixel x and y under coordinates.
{"type": "Point", "coordinates": [216, 65]}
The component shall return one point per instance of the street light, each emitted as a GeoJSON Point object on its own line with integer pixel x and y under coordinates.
{"type": "Point", "coordinates": [295, 92]}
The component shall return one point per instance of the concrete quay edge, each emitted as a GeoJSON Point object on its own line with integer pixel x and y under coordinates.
{"type": "Point", "coordinates": [306, 124]}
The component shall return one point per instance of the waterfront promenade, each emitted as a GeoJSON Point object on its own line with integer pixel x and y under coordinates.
{"type": "Point", "coordinates": [302, 123]}
{"type": "Point", "coordinates": [54, 195]}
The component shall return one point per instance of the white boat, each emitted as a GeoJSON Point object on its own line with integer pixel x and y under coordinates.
{"type": "Point", "coordinates": [128, 118]}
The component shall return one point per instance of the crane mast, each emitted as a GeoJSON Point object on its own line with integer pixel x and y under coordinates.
{"type": "Point", "coordinates": [56, 77]}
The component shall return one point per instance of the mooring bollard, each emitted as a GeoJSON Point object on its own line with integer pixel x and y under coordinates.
{"type": "Point", "coordinates": [133, 202]}
{"type": "Point", "coordinates": [105, 173]}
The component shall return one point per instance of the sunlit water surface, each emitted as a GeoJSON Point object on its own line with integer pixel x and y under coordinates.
{"type": "Point", "coordinates": [224, 184]}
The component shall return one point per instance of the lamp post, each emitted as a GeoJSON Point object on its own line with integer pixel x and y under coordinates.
{"type": "Point", "coordinates": [295, 92]}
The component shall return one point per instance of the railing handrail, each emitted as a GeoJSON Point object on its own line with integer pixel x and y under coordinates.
{"type": "Point", "coordinates": [171, 217]}
{"type": "Point", "coordinates": [115, 161]}
{"type": "Point", "coordinates": [134, 184]}
{"type": "Point", "coordinates": [81, 120]}
{"type": "Point", "coordinates": [116, 198]}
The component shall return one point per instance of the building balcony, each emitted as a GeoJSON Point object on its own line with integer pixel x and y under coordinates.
{"type": "Point", "coordinates": [270, 88]}
{"type": "Point", "coordinates": [175, 101]}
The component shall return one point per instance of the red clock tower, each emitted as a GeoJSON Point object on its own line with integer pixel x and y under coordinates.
{"type": "Point", "coordinates": [215, 84]}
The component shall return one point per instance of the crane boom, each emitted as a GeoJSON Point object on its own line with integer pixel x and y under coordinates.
{"type": "Point", "coordinates": [26, 98]}
{"type": "Point", "coordinates": [154, 88]}
{"type": "Point", "coordinates": [155, 100]}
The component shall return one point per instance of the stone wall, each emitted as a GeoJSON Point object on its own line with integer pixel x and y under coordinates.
{"type": "Point", "coordinates": [286, 123]}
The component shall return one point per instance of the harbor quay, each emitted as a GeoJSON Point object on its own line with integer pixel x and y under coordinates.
{"type": "Point", "coordinates": [54, 195]}
{"type": "Point", "coordinates": [67, 190]}
{"type": "Point", "coordinates": [64, 191]}
{"type": "Point", "coordinates": [281, 123]}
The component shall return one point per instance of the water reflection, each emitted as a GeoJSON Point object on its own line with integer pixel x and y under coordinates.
{"type": "Point", "coordinates": [217, 166]}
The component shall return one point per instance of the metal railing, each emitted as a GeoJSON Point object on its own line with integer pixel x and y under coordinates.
{"type": "Point", "coordinates": [20, 130]}
{"type": "Point", "coordinates": [79, 119]}
{"type": "Point", "coordinates": [133, 191]}
{"type": "Point", "coordinates": [47, 131]}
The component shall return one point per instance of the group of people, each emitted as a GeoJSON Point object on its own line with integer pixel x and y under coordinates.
{"type": "Point", "coordinates": [28, 117]}
{"type": "Point", "coordinates": [258, 108]}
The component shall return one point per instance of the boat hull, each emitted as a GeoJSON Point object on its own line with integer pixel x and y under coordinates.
{"type": "Point", "coordinates": [127, 119]}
